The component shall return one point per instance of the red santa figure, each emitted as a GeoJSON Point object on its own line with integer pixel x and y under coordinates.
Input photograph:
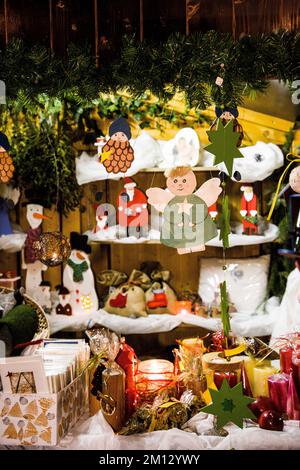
{"type": "Point", "coordinates": [249, 210]}
{"type": "Point", "coordinates": [213, 211]}
{"type": "Point", "coordinates": [132, 210]}
{"type": "Point", "coordinates": [101, 219]}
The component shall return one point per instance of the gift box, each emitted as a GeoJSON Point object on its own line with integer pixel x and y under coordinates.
{"type": "Point", "coordinates": [42, 419]}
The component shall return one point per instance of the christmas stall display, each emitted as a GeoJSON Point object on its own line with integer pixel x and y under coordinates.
{"type": "Point", "coordinates": [187, 225]}
{"type": "Point", "coordinates": [6, 164]}
{"type": "Point", "coordinates": [33, 266]}
{"type": "Point", "coordinates": [78, 276]}
{"type": "Point", "coordinates": [132, 211]}
{"type": "Point", "coordinates": [12, 238]}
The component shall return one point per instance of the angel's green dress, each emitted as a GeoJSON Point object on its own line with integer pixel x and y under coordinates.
{"type": "Point", "coordinates": [187, 223]}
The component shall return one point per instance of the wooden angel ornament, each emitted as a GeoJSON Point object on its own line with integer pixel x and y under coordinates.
{"type": "Point", "coordinates": [187, 224]}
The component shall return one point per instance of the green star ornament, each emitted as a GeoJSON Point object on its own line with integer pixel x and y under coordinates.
{"type": "Point", "coordinates": [223, 145]}
{"type": "Point", "coordinates": [229, 405]}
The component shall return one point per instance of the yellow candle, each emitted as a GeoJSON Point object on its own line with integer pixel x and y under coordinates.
{"type": "Point", "coordinates": [260, 380]}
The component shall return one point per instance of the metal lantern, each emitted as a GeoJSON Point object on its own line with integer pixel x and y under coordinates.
{"type": "Point", "coordinates": [52, 248]}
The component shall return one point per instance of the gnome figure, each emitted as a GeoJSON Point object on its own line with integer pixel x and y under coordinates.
{"type": "Point", "coordinates": [117, 154]}
{"type": "Point", "coordinates": [225, 115]}
{"type": "Point", "coordinates": [34, 267]}
{"type": "Point", "coordinates": [132, 210]}
{"type": "Point", "coordinates": [6, 164]}
{"type": "Point", "coordinates": [78, 277]}
{"type": "Point", "coordinates": [249, 211]}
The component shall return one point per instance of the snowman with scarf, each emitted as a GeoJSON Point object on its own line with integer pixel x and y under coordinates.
{"type": "Point", "coordinates": [78, 276]}
{"type": "Point", "coordinates": [33, 266]}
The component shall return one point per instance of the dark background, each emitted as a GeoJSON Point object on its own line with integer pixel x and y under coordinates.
{"type": "Point", "coordinates": [103, 22]}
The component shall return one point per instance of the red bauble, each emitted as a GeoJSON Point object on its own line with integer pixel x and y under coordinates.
{"type": "Point", "coordinates": [271, 420]}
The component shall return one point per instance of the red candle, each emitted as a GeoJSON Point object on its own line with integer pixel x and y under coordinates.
{"type": "Point", "coordinates": [296, 369]}
{"type": "Point", "coordinates": [286, 359]}
{"type": "Point", "coordinates": [293, 403]}
{"type": "Point", "coordinates": [219, 376]}
{"type": "Point", "coordinates": [278, 390]}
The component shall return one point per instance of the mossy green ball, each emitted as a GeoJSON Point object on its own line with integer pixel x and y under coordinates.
{"type": "Point", "coordinates": [22, 322]}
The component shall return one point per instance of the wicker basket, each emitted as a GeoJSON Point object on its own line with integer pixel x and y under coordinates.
{"type": "Point", "coordinates": [43, 331]}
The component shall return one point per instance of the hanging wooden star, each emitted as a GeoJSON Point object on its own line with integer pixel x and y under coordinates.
{"type": "Point", "coordinates": [224, 144]}
{"type": "Point", "coordinates": [229, 405]}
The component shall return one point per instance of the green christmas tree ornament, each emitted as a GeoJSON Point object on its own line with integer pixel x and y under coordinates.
{"type": "Point", "coordinates": [229, 405]}
{"type": "Point", "coordinates": [224, 144]}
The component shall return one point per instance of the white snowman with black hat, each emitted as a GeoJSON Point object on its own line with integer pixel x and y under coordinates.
{"type": "Point", "coordinates": [78, 277]}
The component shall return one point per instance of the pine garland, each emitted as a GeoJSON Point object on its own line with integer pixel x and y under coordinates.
{"type": "Point", "coordinates": [188, 64]}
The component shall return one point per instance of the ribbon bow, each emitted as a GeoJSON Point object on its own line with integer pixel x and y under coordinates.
{"type": "Point", "coordinates": [160, 275]}
{"type": "Point", "coordinates": [110, 277]}
{"type": "Point", "coordinates": [139, 278]}
{"type": "Point", "coordinates": [292, 159]}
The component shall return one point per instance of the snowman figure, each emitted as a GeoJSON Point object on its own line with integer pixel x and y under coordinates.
{"type": "Point", "coordinates": [34, 267]}
{"type": "Point", "coordinates": [78, 276]}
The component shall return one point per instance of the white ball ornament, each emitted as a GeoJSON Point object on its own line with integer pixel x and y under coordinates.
{"type": "Point", "coordinates": [295, 179]}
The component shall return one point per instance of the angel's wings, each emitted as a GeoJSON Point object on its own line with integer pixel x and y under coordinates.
{"type": "Point", "coordinates": [159, 198]}
{"type": "Point", "coordinates": [209, 191]}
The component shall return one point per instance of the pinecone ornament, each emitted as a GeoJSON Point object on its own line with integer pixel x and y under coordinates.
{"type": "Point", "coordinates": [6, 167]}
{"type": "Point", "coordinates": [120, 156]}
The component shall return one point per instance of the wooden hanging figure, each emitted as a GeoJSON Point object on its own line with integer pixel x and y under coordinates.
{"type": "Point", "coordinates": [6, 164]}
{"type": "Point", "coordinates": [34, 267]}
{"type": "Point", "coordinates": [225, 115]}
{"type": "Point", "coordinates": [117, 154]}
{"type": "Point", "coordinates": [78, 276]}
{"type": "Point", "coordinates": [249, 211]}
{"type": "Point", "coordinates": [132, 210]}
{"type": "Point", "coordinates": [187, 225]}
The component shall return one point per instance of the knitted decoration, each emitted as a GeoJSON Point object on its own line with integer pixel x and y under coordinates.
{"type": "Point", "coordinates": [78, 270]}
{"type": "Point", "coordinates": [22, 322]}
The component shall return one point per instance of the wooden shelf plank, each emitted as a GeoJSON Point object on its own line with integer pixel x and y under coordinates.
{"type": "Point", "coordinates": [195, 169]}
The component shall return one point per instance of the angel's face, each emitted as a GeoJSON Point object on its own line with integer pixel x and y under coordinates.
{"type": "Point", "coordinates": [182, 185]}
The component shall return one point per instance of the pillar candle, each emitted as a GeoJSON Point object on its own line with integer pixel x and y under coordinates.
{"type": "Point", "coordinates": [296, 369]}
{"type": "Point", "coordinates": [219, 376]}
{"type": "Point", "coordinates": [278, 385]}
{"type": "Point", "coordinates": [286, 359]}
{"type": "Point", "coordinates": [260, 380]}
{"type": "Point", "coordinates": [293, 403]}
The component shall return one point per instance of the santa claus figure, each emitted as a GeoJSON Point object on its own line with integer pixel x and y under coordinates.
{"type": "Point", "coordinates": [117, 154]}
{"type": "Point", "coordinates": [132, 210]}
{"type": "Point", "coordinates": [249, 211]}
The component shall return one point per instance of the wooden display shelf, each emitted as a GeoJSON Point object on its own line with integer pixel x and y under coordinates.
{"type": "Point", "coordinates": [197, 169]}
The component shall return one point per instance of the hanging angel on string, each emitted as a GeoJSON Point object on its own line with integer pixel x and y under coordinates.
{"type": "Point", "coordinates": [187, 224]}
